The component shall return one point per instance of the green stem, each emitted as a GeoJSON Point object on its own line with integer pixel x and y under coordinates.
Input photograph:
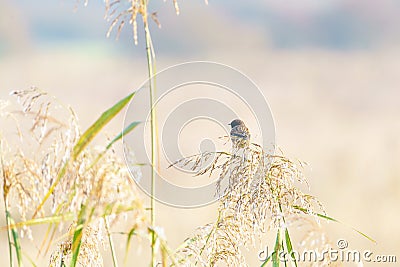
{"type": "Point", "coordinates": [114, 258]}
{"type": "Point", "coordinates": [150, 67]}
{"type": "Point", "coordinates": [8, 219]}
{"type": "Point", "coordinates": [8, 231]}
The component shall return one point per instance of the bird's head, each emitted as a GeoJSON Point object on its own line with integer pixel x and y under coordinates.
{"type": "Point", "coordinates": [236, 122]}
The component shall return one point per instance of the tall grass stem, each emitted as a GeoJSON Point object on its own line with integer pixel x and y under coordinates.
{"type": "Point", "coordinates": [8, 232]}
{"type": "Point", "coordinates": [150, 68]}
{"type": "Point", "coordinates": [114, 257]}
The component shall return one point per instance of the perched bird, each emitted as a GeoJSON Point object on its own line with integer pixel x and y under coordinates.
{"type": "Point", "coordinates": [240, 135]}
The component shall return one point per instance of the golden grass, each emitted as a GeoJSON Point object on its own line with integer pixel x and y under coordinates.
{"type": "Point", "coordinates": [90, 192]}
{"type": "Point", "coordinates": [262, 195]}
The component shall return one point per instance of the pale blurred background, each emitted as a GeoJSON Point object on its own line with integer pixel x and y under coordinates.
{"type": "Point", "coordinates": [329, 69]}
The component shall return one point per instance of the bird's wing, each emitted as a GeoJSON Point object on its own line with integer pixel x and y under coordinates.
{"type": "Point", "coordinates": [240, 131]}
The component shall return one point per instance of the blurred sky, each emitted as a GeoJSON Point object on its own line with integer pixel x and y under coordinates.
{"type": "Point", "coordinates": [287, 24]}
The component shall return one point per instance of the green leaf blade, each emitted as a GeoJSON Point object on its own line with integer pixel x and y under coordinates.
{"type": "Point", "coordinates": [277, 248]}
{"type": "Point", "coordinates": [77, 238]}
{"type": "Point", "coordinates": [334, 220]}
{"type": "Point", "coordinates": [96, 127]}
{"type": "Point", "coordinates": [84, 140]}
{"type": "Point", "coordinates": [15, 236]}
{"type": "Point", "coordinates": [289, 246]}
{"type": "Point", "coordinates": [127, 130]}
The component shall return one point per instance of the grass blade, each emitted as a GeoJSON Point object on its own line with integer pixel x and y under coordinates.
{"type": "Point", "coordinates": [114, 258]}
{"type": "Point", "coordinates": [15, 236]}
{"type": "Point", "coordinates": [277, 248]}
{"type": "Point", "coordinates": [45, 220]}
{"type": "Point", "coordinates": [283, 251]}
{"type": "Point", "coordinates": [96, 127]}
{"type": "Point", "coordinates": [289, 246]}
{"type": "Point", "coordinates": [267, 260]}
{"type": "Point", "coordinates": [29, 259]}
{"type": "Point", "coordinates": [334, 220]}
{"type": "Point", "coordinates": [9, 240]}
{"type": "Point", "coordinates": [84, 140]}
{"type": "Point", "coordinates": [128, 243]}
{"type": "Point", "coordinates": [124, 132]}
{"type": "Point", "coordinates": [6, 190]}
{"type": "Point", "coordinates": [117, 138]}
{"type": "Point", "coordinates": [77, 239]}
{"type": "Point", "coordinates": [275, 254]}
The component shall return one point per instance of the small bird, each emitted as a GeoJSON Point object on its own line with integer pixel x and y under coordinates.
{"type": "Point", "coordinates": [240, 135]}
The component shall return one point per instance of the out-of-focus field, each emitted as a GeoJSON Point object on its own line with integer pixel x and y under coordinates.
{"type": "Point", "coordinates": [338, 110]}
